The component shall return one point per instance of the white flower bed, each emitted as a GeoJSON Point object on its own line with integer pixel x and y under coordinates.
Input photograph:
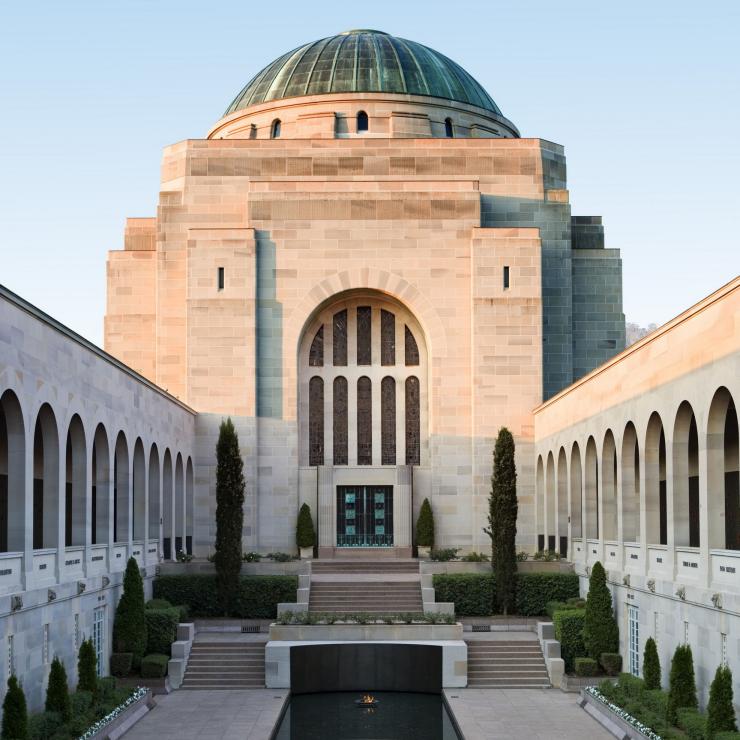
{"type": "Point", "coordinates": [625, 716]}
{"type": "Point", "coordinates": [138, 693]}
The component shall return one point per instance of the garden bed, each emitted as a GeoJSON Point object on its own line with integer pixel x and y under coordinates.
{"type": "Point", "coordinates": [122, 718]}
{"type": "Point", "coordinates": [613, 717]}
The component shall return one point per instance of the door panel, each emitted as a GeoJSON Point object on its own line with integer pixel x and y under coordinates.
{"type": "Point", "coordinates": [364, 516]}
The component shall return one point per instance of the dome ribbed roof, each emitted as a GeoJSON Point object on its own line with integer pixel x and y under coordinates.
{"type": "Point", "coordinates": [363, 60]}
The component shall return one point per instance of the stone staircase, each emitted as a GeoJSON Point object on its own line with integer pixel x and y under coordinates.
{"type": "Point", "coordinates": [389, 587]}
{"type": "Point", "coordinates": [506, 664]}
{"type": "Point", "coordinates": [225, 665]}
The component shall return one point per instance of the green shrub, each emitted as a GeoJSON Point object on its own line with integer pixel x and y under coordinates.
{"type": "Point", "coordinates": [586, 667]}
{"type": "Point", "coordinates": [43, 726]}
{"type": "Point", "coordinates": [161, 629]}
{"type": "Point", "coordinates": [251, 557]}
{"type": "Point", "coordinates": [444, 555]}
{"type": "Point", "coordinates": [158, 604]}
{"type": "Point", "coordinates": [727, 736]}
{"type": "Point", "coordinates": [129, 626]}
{"type": "Point", "coordinates": [183, 612]}
{"type": "Point", "coordinates": [82, 712]}
{"type": "Point", "coordinates": [534, 590]}
{"type": "Point", "coordinates": [576, 602]}
{"type": "Point", "coordinates": [651, 665]}
{"type": "Point", "coordinates": [106, 688]}
{"type": "Point", "coordinates": [682, 690]}
{"type": "Point", "coordinates": [15, 713]}
{"type": "Point", "coordinates": [720, 710]}
{"type": "Point", "coordinates": [154, 666]}
{"type": "Point", "coordinates": [472, 593]}
{"type": "Point", "coordinates": [569, 632]}
{"type": "Point", "coordinates": [305, 535]}
{"type": "Point", "coordinates": [600, 631]}
{"type": "Point", "coordinates": [57, 691]}
{"type": "Point", "coordinates": [475, 557]}
{"type": "Point", "coordinates": [87, 668]}
{"type": "Point", "coordinates": [120, 664]}
{"type": "Point", "coordinates": [611, 663]}
{"type": "Point", "coordinates": [281, 557]}
{"type": "Point", "coordinates": [553, 606]}
{"type": "Point", "coordinates": [425, 525]}
{"type": "Point", "coordinates": [692, 723]}
{"type": "Point", "coordinates": [547, 556]}
{"type": "Point", "coordinates": [257, 597]}
{"type": "Point", "coordinates": [656, 701]}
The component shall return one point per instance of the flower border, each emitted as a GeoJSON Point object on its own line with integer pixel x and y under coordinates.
{"type": "Point", "coordinates": [625, 716]}
{"type": "Point", "coordinates": [137, 694]}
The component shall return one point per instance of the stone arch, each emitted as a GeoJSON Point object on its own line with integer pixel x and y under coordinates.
{"type": "Point", "coordinates": [179, 523]}
{"type": "Point", "coordinates": [189, 505]}
{"type": "Point", "coordinates": [609, 486]}
{"type": "Point", "coordinates": [138, 491]}
{"type": "Point", "coordinates": [75, 484]}
{"type": "Point", "coordinates": [562, 507]}
{"type": "Point", "coordinates": [101, 487]}
{"type": "Point", "coordinates": [168, 532]}
{"type": "Point", "coordinates": [540, 501]}
{"type": "Point", "coordinates": [630, 484]}
{"type": "Point", "coordinates": [686, 525]}
{"type": "Point", "coordinates": [121, 485]}
{"type": "Point", "coordinates": [12, 474]}
{"type": "Point", "coordinates": [656, 516]}
{"type": "Point", "coordinates": [154, 493]}
{"type": "Point", "coordinates": [550, 502]}
{"type": "Point", "coordinates": [591, 488]}
{"type": "Point", "coordinates": [576, 492]}
{"type": "Point", "coordinates": [45, 480]}
{"type": "Point", "coordinates": [722, 472]}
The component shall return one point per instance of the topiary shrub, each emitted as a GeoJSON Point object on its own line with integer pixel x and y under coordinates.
{"type": "Point", "coordinates": [720, 709]}
{"type": "Point", "coordinates": [692, 723]}
{"type": "Point", "coordinates": [87, 668]}
{"type": "Point", "coordinates": [600, 631]}
{"type": "Point", "coordinates": [569, 632]}
{"type": "Point", "coordinates": [425, 525]}
{"type": "Point", "coordinates": [651, 665]}
{"type": "Point", "coordinates": [120, 664]}
{"type": "Point", "coordinates": [158, 604]}
{"type": "Point", "coordinates": [129, 626]}
{"type": "Point", "coordinates": [154, 666]}
{"type": "Point", "coordinates": [611, 663]}
{"type": "Point", "coordinates": [586, 667]}
{"type": "Point", "coordinates": [229, 516]}
{"type": "Point", "coordinates": [57, 692]}
{"type": "Point", "coordinates": [682, 686]}
{"type": "Point", "coordinates": [161, 629]}
{"type": "Point", "coordinates": [305, 535]}
{"type": "Point", "coordinates": [15, 713]}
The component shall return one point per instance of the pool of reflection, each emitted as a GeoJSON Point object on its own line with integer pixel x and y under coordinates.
{"type": "Point", "coordinates": [335, 716]}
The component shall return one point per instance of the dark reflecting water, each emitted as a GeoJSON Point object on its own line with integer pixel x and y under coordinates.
{"type": "Point", "coordinates": [335, 717]}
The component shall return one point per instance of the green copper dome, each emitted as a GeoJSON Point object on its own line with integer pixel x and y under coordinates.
{"type": "Point", "coordinates": [363, 60]}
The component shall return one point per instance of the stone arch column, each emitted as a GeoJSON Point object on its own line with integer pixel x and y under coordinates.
{"type": "Point", "coordinates": [76, 484]}
{"type": "Point", "coordinates": [655, 483]}
{"type": "Point", "coordinates": [168, 505]}
{"type": "Point", "coordinates": [608, 472]}
{"type": "Point", "coordinates": [575, 486]}
{"type": "Point", "coordinates": [121, 483]}
{"type": "Point", "coordinates": [179, 522]}
{"type": "Point", "coordinates": [138, 492]}
{"type": "Point", "coordinates": [102, 481]}
{"type": "Point", "coordinates": [540, 504]}
{"type": "Point", "coordinates": [630, 488]}
{"type": "Point", "coordinates": [155, 490]}
{"type": "Point", "coordinates": [13, 474]}
{"type": "Point", "coordinates": [550, 508]}
{"type": "Point", "coordinates": [562, 506]}
{"type": "Point", "coordinates": [685, 456]}
{"type": "Point", "coordinates": [591, 491]}
{"type": "Point", "coordinates": [45, 480]}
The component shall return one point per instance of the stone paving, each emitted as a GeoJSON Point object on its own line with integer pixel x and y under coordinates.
{"type": "Point", "coordinates": [212, 715]}
{"type": "Point", "coordinates": [524, 714]}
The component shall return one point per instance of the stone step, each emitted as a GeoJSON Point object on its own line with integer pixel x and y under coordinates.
{"type": "Point", "coordinates": [508, 684]}
{"type": "Point", "coordinates": [225, 665]}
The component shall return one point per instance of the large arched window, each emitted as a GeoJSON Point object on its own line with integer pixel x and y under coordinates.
{"type": "Point", "coordinates": [362, 122]}
{"type": "Point", "coordinates": [275, 129]}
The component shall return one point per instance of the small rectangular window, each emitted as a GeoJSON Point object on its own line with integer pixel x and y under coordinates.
{"type": "Point", "coordinates": [506, 277]}
{"type": "Point", "coordinates": [221, 278]}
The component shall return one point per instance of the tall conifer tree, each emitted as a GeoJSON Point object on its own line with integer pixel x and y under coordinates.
{"type": "Point", "coordinates": [15, 713]}
{"type": "Point", "coordinates": [129, 626]}
{"type": "Point", "coordinates": [502, 513]}
{"type": "Point", "coordinates": [600, 629]}
{"type": "Point", "coordinates": [229, 515]}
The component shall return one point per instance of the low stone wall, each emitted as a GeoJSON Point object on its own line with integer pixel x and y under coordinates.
{"type": "Point", "coordinates": [608, 719]}
{"type": "Point", "coordinates": [263, 568]}
{"type": "Point", "coordinates": [360, 632]}
{"type": "Point", "coordinates": [429, 567]}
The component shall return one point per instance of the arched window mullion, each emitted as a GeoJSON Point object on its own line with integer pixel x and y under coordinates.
{"type": "Point", "coordinates": [316, 421]}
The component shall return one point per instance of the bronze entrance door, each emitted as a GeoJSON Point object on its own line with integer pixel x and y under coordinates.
{"type": "Point", "coordinates": [364, 516]}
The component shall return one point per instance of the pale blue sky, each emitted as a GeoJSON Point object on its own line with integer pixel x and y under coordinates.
{"type": "Point", "coordinates": [645, 97]}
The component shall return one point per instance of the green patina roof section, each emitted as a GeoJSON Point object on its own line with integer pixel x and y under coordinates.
{"type": "Point", "coordinates": [363, 60]}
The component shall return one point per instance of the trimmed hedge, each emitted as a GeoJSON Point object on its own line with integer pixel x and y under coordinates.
{"type": "Point", "coordinates": [611, 663]}
{"type": "Point", "coordinates": [257, 598]}
{"type": "Point", "coordinates": [120, 664]}
{"type": "Point", "coordinates": [161, 629]}
{"type": "Point", "coordinates": [569, 632]}
{"type": "Point", "coordinates": [586, 667]}
{"type": "Point", "coordinates": [158, 604]}
{"type": "Point", "coordinates": [474, 593]}
{"type": "Point", "coordinates": [154, 666]}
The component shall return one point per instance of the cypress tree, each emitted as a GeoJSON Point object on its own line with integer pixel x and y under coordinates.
{"type": "Point", "coordinates": [129, 626]}
{"type": "Point", "coordinates": [502, 513]}
{"type": "Point", "coordinates": [229, 515]}
{"type": "Point", "coordinates": [15, 714]}
{"type": "Point", "coordinates": [87, 664]}
{"type": "Point", "coordinates": [651, 665]}
{"type": "Point", "coordinates": [720, 710]}
{"type": "Point", "coordinates": [682, 687]}
{"type": "Point", "coordinates": [57, 692]}
{"type": "Point", "coordinates": [600, 630]}
{"type": "Point", "coordinates": [425, 525]}
{"type": "Point", "coordinates": [305, 535]}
